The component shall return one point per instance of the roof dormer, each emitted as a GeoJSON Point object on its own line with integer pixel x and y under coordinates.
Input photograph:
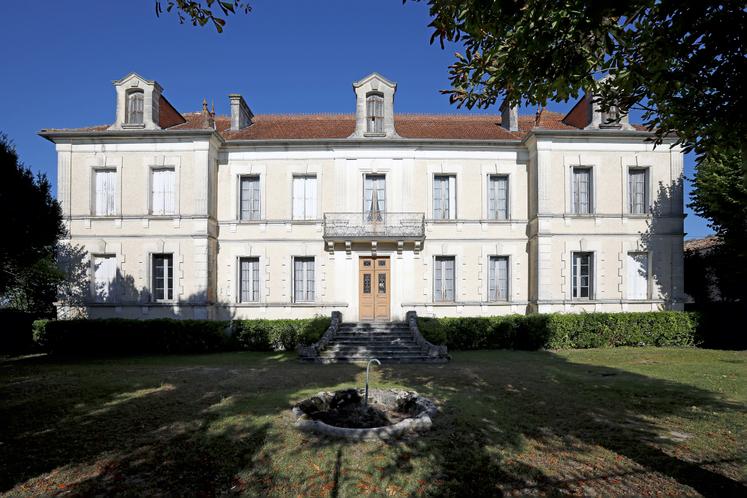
{"type": "Point", "coordinates": [588, 115]}
{"type": "Point", "coordinates": [138, 103]}
{"type": "Point", "coordinates": [374, 107]}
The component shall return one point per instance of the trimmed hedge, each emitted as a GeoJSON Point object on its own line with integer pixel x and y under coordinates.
{"type": "Point", "coordinates": [563, 331]}
{"type": "Point", "coordinates": [15, 336]}
{"type": "Point", "coordinates": [118, 336]}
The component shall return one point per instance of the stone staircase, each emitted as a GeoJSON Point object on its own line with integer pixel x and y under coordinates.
{"type": "Point", "coordinates": [388, 342]}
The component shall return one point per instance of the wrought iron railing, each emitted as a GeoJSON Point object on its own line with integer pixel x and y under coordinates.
{"type": "Point", "coordinates": [374, 224]}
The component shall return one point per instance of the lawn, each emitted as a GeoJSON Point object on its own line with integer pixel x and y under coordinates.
{"type": "Point", "coordinates": [606, 422]}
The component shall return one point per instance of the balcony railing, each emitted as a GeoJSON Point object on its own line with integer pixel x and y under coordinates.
{"type": "Point", "coordinates": [374, 225]}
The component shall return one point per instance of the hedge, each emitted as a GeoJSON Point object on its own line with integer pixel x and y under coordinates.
{"type": "Point", "coordinates": [118, 336]}
{"type": "Point", "coordinates": [564, 331]}
{"type": "Point", "coordinates": [15, 336]}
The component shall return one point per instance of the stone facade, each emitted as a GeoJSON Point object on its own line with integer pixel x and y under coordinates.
{"type": "Point", "coordinates": [207, 237]}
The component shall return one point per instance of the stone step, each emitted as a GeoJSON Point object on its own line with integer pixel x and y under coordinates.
{"type": "Point", "coordinates": [372, 349]}
{"type": "Point", "coordinates": [396, 359]}
{"type": "Point", "coordinates": [373, 331]}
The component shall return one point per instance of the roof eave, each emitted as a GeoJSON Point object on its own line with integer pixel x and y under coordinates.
{"type": "Point", "coordinates": [53, 135]}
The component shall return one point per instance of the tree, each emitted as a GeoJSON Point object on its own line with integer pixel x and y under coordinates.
{"type": "Point", "coordinates": [682, 63]}
{"type": "Point", "coordinates": [720, 195]}
{"type": "Point", "coordinates": [33, 224]}
{"type": "Point", "coordinates": [200, 13]}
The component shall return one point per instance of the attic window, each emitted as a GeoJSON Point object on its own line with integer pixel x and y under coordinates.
{"type": "Point", "coordinates": [134, 107]}
{"type": "Point", "coordinates": [611, 118]}
{"type": "Point", "coordinates": [374, 112]}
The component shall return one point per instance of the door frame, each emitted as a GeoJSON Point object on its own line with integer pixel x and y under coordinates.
{"type": "Point", "coordinates": [374, 287]}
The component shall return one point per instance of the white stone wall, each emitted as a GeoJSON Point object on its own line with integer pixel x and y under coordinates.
{"type": "Point", "coordinates": [207, 238]}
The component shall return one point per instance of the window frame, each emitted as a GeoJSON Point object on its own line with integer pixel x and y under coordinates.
{"type": "Point", "coordinates": [575, 279]}
{"type": "Point", "coordinates": [256, 283]}
{"type": "Point", "coordinates": [305, 177]}
{"type": "Point", "coordinates": [154, 297]}
{"type": "Point", "coordinates": [575, 208]}
{"type": "Point", "coordinates": [130, 95]}
{"type": "Point", "coordinates": [366, 208]}
{"type": "Point", "coordinates": [451, 183]}
{"type": "Point", "coordinates": [647, 295]}
{"type": "Point", "coordinates": [646, 190]}
{"type": "Point", "coordinates": [492, 272]}
{"type": "Point", "coordinates": [438, 260]}
{"type": "Point", "coordinates": [111, 295]}
{"type": "Point", "coordinates": [151, 210]}
{"type": "Point", "coordinates": [258, 179]}
{"type": "Point", "coordinates": [94, 190]}
{"type": "Point", "coordinates": [374, 120]}
{"type": "Point", "coordinates": [491, 178]}
{"type": "Point", "coordinates": [305, 280]}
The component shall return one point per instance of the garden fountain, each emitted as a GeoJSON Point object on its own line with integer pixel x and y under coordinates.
{"type": "Point", "coordinates": [348, 414]}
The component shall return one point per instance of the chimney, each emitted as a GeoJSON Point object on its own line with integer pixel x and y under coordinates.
{"type": "Point", "coordinates": [241, 115]}
{"type": "Point", "coordinates": [509, 117]}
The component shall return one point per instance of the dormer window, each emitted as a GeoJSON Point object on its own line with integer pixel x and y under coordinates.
{"type": "Point", "coordinates": [134, 107]}
{"type": "Point", "coordinates": [374, 112]}
{"type": "Point", "coordinates": [611, 118]}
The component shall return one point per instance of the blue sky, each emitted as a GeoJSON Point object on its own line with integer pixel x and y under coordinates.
{"type": "Point", "coordinates": [284, 57]}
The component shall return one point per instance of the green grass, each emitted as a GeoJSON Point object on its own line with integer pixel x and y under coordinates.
{"type": "Point", "coordinates": [612, 421]}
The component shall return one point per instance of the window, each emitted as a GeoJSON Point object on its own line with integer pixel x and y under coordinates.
{"type": "Point", "coordinates": [104, 269]}
{"type": "Point", "coordinates": [443, 279]}
{"type": "Point", "coordinates": [304, 197]}
{"type": "Point", "coordinates": [444, 197]}
{"type": "Point", "coordinates": [249, 280]}
{"type": "Point", "coordinates": [498, 278]}
{"type": "Point", "coordinates": [163, 277]}
{"type": "Point", "coordinates": [582, 191]}
{"type": "Point", "coordinates": [374, 197]}
{"type": "Point", "coordinates": [375, 113]}
{"type": "Point", "coordinates": [498, 197]}
{"type": "Point", "coordinates": [105, 185]}
{"type": "Point", "coordinates": [134, 107]}
{"type": "Point", "coordinates": [303, 280]}
{"type": "Point", "coordinates": [581, 287]}
{"type": "Point", "coordinates": [637, 190]}
{"type": "Point", "coordinates": [163, 190]}
{"type": "Point", "coordinates": [611, 118]}
{"type": "Point", "coordinates": [250, 206]}
{"type": "Point", "coordinates": [637, 275]}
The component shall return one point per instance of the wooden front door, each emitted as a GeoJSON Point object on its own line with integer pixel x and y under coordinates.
{"type": "Point", "coordinates": [374, 284]}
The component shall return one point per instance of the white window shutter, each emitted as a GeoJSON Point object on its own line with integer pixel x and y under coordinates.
{"type": "Point", "coordinates": [170, 192]}
{"type": "Point", "coordinates": [105, 271]}
{"type": "Point", "coordinates": [157, 192]}
{"type": "Point", "coordinates": [637, 275]}
{"type": "Point", "coordinates": [298, 198]}
{"type": "Point", "coordinates": [310, 191]}
{"type": "Point", "coordinates": [452, 197]}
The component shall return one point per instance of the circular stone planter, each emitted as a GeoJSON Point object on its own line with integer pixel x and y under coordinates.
{"type": "Point", "coordinates": [390, 413]}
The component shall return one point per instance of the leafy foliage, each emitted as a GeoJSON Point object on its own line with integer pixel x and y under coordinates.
{"type": "Point", "coordinates": [200, 13]}
{"type": "Point", "coordinates": [682, 63]}
{"type": "Point", "coordinates": [563, 331]}
{"type": "Point", "coordinates": [33, 224]}
{"type": "Point", "coordinates": [117, 336]}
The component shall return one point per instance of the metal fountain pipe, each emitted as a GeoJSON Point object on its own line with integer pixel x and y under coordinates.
{"type": "Point", "coordinates": [365, 400]}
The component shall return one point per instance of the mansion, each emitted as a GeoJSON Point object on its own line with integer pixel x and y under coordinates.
{"type": "Point", "coordinates": [373, 214]}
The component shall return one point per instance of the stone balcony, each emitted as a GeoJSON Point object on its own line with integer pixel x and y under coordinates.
{"type": "Point", "coordinates": [374, 227]}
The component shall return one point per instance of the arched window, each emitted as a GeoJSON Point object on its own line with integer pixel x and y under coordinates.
{"type": "Point", "coordinates": [134, 107]}
{"type": "Point", "coordinates": [375, 112]}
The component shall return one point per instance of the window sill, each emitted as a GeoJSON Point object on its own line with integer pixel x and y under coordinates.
{"type": "Point", "coordinates": [132, 126]}
{"type": "Point", "coordinates": [372, 134]}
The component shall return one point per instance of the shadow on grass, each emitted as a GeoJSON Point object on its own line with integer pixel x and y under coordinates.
{"type": "Point", "coordinates": [510, 422]}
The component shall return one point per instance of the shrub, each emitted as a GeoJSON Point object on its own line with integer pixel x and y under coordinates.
{"type": "Point", "coordinates": [563, 331]}
{"type": "Point", "coordinates": [16, 334]}
{"type": "Point", "coordinates": [116, 336]}
{"type": "Point", "coordinates": [278, 335]}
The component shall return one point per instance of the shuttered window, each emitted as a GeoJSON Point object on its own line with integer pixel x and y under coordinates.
{"type": "Point", "coordinates": [498, 278]}
{"type": "Point", "coordinates": [637, 190]}
{"type": "Point", "coordinates": [105, 186]}
{"type": "Point", "coordinates": [443, 278]}
{"type": "Point", "coordinates": [134, 107]}
{"type": "Point", "coordinates": [637, 275]}
{"type": "Point", "coordinates": [582, 191]}
{"type": "Point", "coordinates": [583, 268]}
{"type": "Point", "coordinates": [374, 195]}
{"type": "Point", "coordinates": [250, 198]}
{"type": "Point", "coordinates": [304, 197]}
{"type": "Point", "coordinates": [444, 197]}
{"type": "Point", "coordinates": [375, 113]}
{"type": "Point", "coordinates": [104, 275]}
{"type": "Point", "coordinates": [163, 277]}
{"type": "Point", "coordinates": [303, 280]}
{"type": "Point", "coordinates": [249, 280]}
{"type": "Point", "coordinates": [163, 191]}
{"type": "Point", "coordinates": [498, 197]}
